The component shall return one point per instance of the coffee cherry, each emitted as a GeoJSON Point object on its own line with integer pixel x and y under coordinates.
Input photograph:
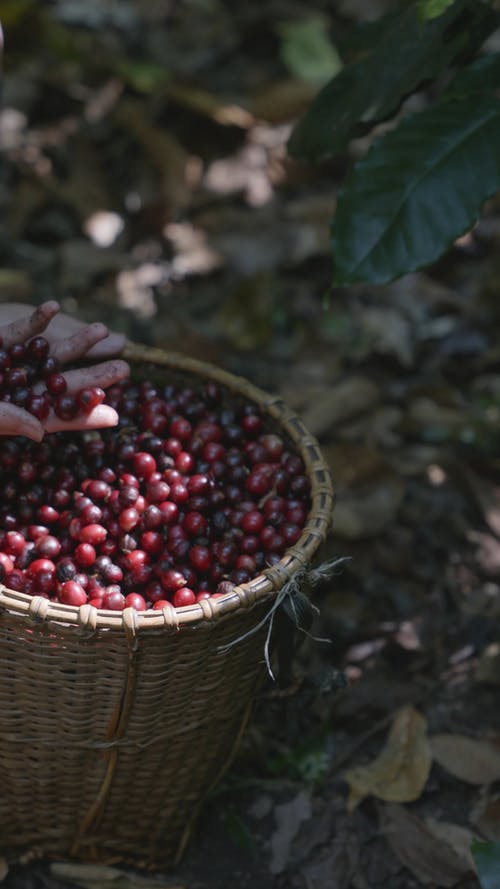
{"type": "Point", "coordinates": [65, 407]}
{"type": "Point", "coordinates": [16, 579]}
{"type": "Point", "coordinates": [98, 490]}
{"type": "Point", "coordinates": [41, 565]}
{"type": "Point", "coordinates": [152, 518]}
{"type": "Point", "coordinates": [169, 512]}
{"type": "Point", "coordinates": [152, 542]}
{"type": "Point", "coordinates": [14, 543]}
{"type": "Point", "coordinates": [6, 565]}
{"type": "Point", "coordinates": [94, 534]}
{"type": "Point", "coordinates": [96, 601]}
{"type": "Point", "coordinates": [150, 512]}
{"type": "Point", "coordinates": [128, 519]}
{"type": "Point", "coordinates": [111, 573]}
{"type": "Point", "coordinates": [48, 546]}
{"type": "Point", "coordinates": [38, 348]}
{"type": "Point", "coordinates": [252, 522]}
{"type": "Point", "coordinates": [144, 464]}
{"type": "Point", "coordinates": [85, 555]}
{"type": "Point", "coordinates": [171, 580]}
{"type": "Point", "coordinates": [71, 593]}
{"type": "Point", "coordinates": [181, 429]}
{"type": "Point", "coordinates": [200, 558]}
{"type": "Point", "coordinates": [135, 600]}
{"type": "Point", "coordinates": [65, 570]}
{"type": "Point", "coordinates": [88, 399]}
{"type": "Point", "coordinates": [194, 524]}
{"type": "Point", "coordinates": [184, 462]}
{"type": "Point", "coordinates": [56, 384]}
{"type": "Point", "coordinates": [226, 586]}
{"type": "Point", "coordinates": [183, 596]}
{"type": "Point", "coordinates": [38, 405]}
{"type": "Point", "coordinates": [113, 598]}
{"type": "Point", "coordinates": [47, 515]}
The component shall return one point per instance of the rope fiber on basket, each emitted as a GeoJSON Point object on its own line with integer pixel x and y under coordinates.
{"type": "Point", "coordinates": [293, 610]}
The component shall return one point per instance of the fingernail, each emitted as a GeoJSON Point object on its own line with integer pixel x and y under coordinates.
{"type": "Point", "coordinates": [99, 328]}
{"type": "Point", "coordinates": [35, 435]}
{"type": "Point", "coordinates": [123, 368]}
{"type": "Point", "coordinates": [50, 307]}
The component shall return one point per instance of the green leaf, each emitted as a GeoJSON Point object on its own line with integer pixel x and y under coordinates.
{"type": "Point", "coordinates": [487, 860]}
{"type": "Point", "coordinates": [361, 37]}
{"type": "Point", "coordinates": [431, 9]}
{"type": "Point", "coordinates": [407, 53]}
{"type": "Point", "coordinates": [307, 50]}
{"type": "Point", "coordinates": [481, 76]}
{"type": "Point", "coordinates": [419, 187]}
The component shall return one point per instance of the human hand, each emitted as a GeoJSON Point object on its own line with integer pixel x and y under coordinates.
{"type": "Point", "coordinates": [69, 340]}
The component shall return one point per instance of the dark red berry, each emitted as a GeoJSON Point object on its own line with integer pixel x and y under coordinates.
{"type": "Point", "coordinates": [38, 348]}
{"type": "Point", "coordinates": [88, 399]}
{"type": "Point", "coordinates": [71, 593]}
{"type": "Point", "coordinates": [183, 596]}
{"type": "Point", "coordinates": [135, 600]}
{"type": "Point", "coordinates": [65, 407]}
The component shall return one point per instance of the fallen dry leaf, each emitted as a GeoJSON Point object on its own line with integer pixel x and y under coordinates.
{"type": "Point", "coordinates": [471, 760]}
{"type": "Point", "coordinates": [424, 849]}
{"type": "Point", "coordinates": [400, 771]}
{"type": "Point", "coordinates": [456, 836]}
{"type": "Point", "coordinates": [4, 868]}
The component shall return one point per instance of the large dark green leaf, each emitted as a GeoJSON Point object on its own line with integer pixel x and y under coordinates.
{"type": "Point", "coordinates": [418, 188]}
{"type": "Point", "coordinates": [481, 76]}
{"type": "Point", "coordinates": [407, 53]}
{"type": "Point", "coordinates": [487, 860]}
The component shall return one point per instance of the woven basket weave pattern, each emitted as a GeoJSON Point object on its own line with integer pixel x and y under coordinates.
{"type": "Point", "coordinates": [114, 726]}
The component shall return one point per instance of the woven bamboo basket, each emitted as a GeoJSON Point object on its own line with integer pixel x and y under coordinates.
{"type": "Point", "coordinates": [115, 726]}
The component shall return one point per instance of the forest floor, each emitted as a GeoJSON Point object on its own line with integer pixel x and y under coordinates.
{"type": "Point", "coordinates": [165, 206]}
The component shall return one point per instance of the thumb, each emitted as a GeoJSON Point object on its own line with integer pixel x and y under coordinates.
{"type": "Point", "coordinates": [15, 421]}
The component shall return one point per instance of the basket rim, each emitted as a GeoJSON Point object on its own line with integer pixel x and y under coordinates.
{"type": "Point", "coordinates": [265, 584]}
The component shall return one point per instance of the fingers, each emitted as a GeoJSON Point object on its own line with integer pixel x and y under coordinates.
{"type": "Point", "coordinates": [104, 375]}
{"type": "Point", "coordinates": [113, 344]}
{"type": "Point", "coordinates": [64, 326]}
{"type": "Point", "coordinates": [77, 345]}
{"type": "Point", "coordinates": [101, 417]}
{"type": "Point", "coordinates": [58, 327]}
{"type": "Point", "coordinates": [15, 421]}
{"type": "Point", "coordinates": [25, 328]}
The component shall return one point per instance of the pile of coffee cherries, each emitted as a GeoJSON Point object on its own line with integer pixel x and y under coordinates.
{"type": "Point", "coordinates": [190, 495]}
{"type": "Point", "coordinates": [26, 364]}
